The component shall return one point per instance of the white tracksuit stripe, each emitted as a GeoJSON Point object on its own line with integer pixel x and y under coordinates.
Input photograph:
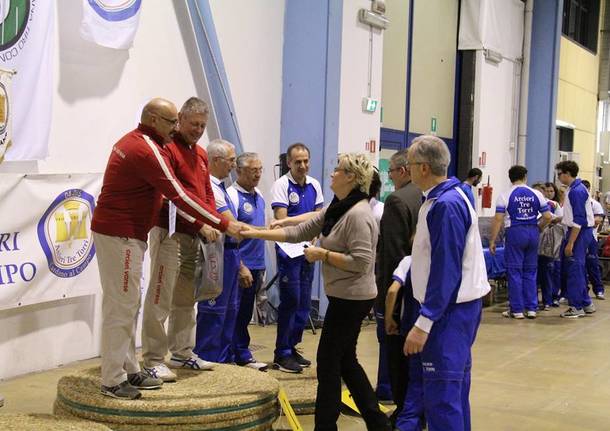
{"type": "Point", "coordinates": [176, 185]}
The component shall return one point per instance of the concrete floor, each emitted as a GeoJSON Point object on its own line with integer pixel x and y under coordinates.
{"type": "Point", "coordinates": [543, 374]}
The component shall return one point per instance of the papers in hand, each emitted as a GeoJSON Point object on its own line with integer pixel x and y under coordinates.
{"type": "Point", "coordinates": [293, 250]}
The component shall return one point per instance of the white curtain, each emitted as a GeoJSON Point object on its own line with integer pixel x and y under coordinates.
{"type": "Point", "coordinates": [492, 24]}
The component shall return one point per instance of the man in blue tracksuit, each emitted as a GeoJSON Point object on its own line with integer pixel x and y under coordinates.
{"type": "Point", "coordinates": [592, 261]}
{"type": "Point", "coordinates": [216, 317]}
{"type": "Point", "coordinates": [473, 179]}
{"type": "Point", "coordinates": [447, 237]}
{"type": "Point", "coordinates": [519, 209]}
{"type": "Point", "coordinates": [578, 217]}
{"type": "Point", "coordinates": [293, 194]}
{"type": "Point", "coordinates": [250, 206]}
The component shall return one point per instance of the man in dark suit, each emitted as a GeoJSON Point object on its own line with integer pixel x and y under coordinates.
{"type": "Point", "coordinates": [397, 229]}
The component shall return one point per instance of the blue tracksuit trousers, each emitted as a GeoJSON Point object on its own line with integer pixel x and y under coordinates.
{"type": "Point", "coordinates": [216, 318]}
{"type": "Point", "coordinates": [411, 416]}
{"type": "Point", "coordinates": [574, 278]}
{"type": "Point", "coordinates": [295, 277]}
{"type": "Point", "coordinates": [557, 288]}
{"type": "Point", "coordinates": [593, 270]}
{"type": "Point", "coordinates": [444, 366]}
{"type": "Point", "coordinates": [547, 278]}
{"type": "Point", "coordinates": [241, 338]}
{"type": "Point", "coordinates": [521, 261]}
{"type": "Point", "coordinates": [384, 388]}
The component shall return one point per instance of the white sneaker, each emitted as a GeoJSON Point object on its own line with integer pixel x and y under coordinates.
{"type": "Point", "coordinates": [161, 372]}
{"type": "Point", "coordinates": [255, 365]}
{"type": "Point", "coordinates": [192, 363]}
{"type": "Point", "coordinates": [530, 314]}
{"type": "Point", "coordinates": [600, 295]}
{"type": "Point", "coordinates": [508, 313]}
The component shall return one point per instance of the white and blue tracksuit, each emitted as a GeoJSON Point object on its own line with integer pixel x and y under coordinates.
{"type": "Point", "coordinates": [449, 279]}
{"type": "Point", "coordinates": [592, 261]}
{"type": "Point", "coordinates": [521, 206]}
{"type": "Point", "coordinates": [577, 213]}
{"type": "Point", "coordinates": [295, 274]}
{"type": "Point", "coordinates": [250, 210]}
{"type": "Point", "coordinates": [216, 317]}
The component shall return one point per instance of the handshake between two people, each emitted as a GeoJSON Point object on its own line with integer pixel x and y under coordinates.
{"type": "Point", "coordinates": [240, 231]}
{"type": "Point", "coordinates": [235, 229]}
{"type": "Point", "coordinates": [274, 232]}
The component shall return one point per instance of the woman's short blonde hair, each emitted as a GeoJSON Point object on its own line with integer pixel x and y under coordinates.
{"type": "Point", "coordinates": [359, 165]}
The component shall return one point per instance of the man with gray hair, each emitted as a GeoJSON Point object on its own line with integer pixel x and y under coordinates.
{"type": "Point", "coordinates": [396, 230]}
{"type": "Point", "coordinates": [250, 207]}
{"type": "Point", "coordinates": [171, 286]}
{"type": "Point", "coordinates": [216, 318]}
{"type": "Point", "coordinates": [449, 279]}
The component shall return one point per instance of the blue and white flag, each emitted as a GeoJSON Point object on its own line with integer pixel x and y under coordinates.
{"type": "Point", "coordinates": [26, 46]}
{"type": "Point", "coordinates": [110, 23]}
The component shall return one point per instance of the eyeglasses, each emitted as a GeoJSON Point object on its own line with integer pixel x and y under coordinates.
{"type": "Point", "coordinates": [339, 169]}
{"type": "Point", "coordinates": [254, 170]}
{"type": "Point", "coordinates": [173, 122]}
{"type": "Point", "coordinates": [228, 159]}
{"type": "Point", "coordinates": [394, 169]}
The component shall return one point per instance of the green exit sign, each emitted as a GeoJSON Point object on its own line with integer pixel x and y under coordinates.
{"type": "Point", "coordinates": [433, 125]}
{"type": "Point", "coordinates": [369, 104]}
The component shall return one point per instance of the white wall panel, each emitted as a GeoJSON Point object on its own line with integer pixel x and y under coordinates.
{"type": "Point", "coordinates": [355, 126]}
{"type": "Point", "coordinates": [494, 127]}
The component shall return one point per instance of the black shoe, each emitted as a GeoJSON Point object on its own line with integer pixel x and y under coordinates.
{"type": "Point", "coordinates": [287, 364]}
{"type": "Point", "coordinates": [300, 359]}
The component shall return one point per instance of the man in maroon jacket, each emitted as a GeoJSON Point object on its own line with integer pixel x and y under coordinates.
{"type": "Point", "coordinates": [173, 259]}
{"type": "Point", "coordinates": [137, 175]}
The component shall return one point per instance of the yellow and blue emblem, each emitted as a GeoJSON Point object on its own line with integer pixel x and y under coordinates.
{"type": "Point", "coordinates": [64, 233]}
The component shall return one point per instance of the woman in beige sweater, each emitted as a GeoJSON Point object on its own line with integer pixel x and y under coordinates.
{"type": "Point", "coordinates": [348, 239]}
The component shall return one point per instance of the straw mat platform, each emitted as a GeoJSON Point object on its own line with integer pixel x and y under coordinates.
{"type": "Point", "coordinates": [230, 398]}
{"type": "Point", "coordinates": [37, 422]}
{"type": "Point", "coordinates": [300, 389]}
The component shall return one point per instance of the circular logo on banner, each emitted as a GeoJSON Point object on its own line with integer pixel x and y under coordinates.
{"type": "Point", "coordinates": [248, 208]}
{"type": "Point", "coordinates": [14, 15]}
{"type": "Point", "coordinates": [115, 10]}
{"type": "Point", "coordinates": [293, 198]}
{"type": "Point", "coordinates": [64, 233]}
{"type": "Point", "coordinates": [4, 107]}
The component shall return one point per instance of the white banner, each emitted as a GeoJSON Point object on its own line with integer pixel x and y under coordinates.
{"type": "Point", "coordinates": [492, 24]}
{"type": "Point", "coordinates": [26, 46]}
{"type": "Point", "coordinates": [6, 112]}
{"type": "Point", "coordinates": [111, 23]}
{"type": "Point", "coordinates": [46, 249]}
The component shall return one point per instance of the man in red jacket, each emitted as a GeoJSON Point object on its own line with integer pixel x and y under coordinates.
{"type": "Point", "coordinates": [173, 259]}
{"type": "Point", "coordinates": [137, 175]}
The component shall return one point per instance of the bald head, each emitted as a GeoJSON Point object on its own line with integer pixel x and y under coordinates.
{"type": "Point", "coordinates": [157, 106]}
{"type": "Point", "coordinates": [161, 115]}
